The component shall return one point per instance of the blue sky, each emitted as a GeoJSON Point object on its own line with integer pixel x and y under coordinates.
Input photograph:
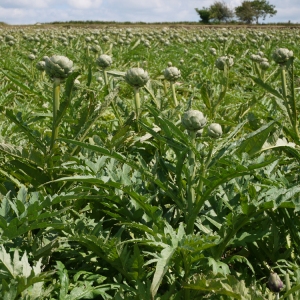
{"type": "Point", "coordinates": [33, 11]}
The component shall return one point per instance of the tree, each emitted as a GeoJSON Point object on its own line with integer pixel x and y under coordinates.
{"type": "Point", "coordinates": [220, 11]}
{"type": "Point", "coordinates": [204, 14]}
{"type": "Point", "coordinates": [262, 8]}
{"type": "Point", "coordinates": [245, 12]}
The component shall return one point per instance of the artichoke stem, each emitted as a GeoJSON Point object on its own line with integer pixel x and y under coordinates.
{"type": "Point", "coordinates": [137, 102]}
{"type": "Point", "coordinates": [191, 168]}
{"type": "Point", "coordinates": [56, 103]}
{"type": "Point", "coordinates": [174, 94]}
{"type": "Point", "coordinates": [288, 286]}
{"type": "Point", "coordinates": [105, 77]}
{"type": "Point", "coordinates": [284, 93]}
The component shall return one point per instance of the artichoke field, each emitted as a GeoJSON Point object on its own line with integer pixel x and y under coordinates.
{"type": "Point", "coordinates": [149, 163]}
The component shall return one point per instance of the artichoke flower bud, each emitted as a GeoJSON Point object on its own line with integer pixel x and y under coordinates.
{"type": "Point", "coordinates": [213, 51]}
{"type": "Point", "coordinates": [193, 120]}
{"type": "Point", "coordinates": [256, 58]}
{"type": "Point", "coordinates": [31, 56]}
{"type": "Point", "coordinates": [282, 55]}
{"type": "Point", "coordinates": [264, 64]}
{"type": "Point", "coordinates": [214, 130]}
{"type": "Point", "coordinates": [274, 283]}
{"type": "Point", "coordinates": [10, 43]}
{"type": "Point", "coordinates": [104, 61]}
{"type": "Point", "coordinates": [58, 66]}
{"type": "Point", "coordinates": [95, 48]}
{"type": "Point", "coordinates": [172, 74]}
{"type": "Point", "coordinates": [222, 61]}
{"type": "Point", "coordinates": [40, 65]}
{"type": "Point", "coordinates": [136, 77]}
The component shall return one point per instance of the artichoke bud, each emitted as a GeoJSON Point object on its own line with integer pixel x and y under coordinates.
{"type": "Point", "coordinates": [172, 74]}
{"type": "Point", "coordinates": [274, 283]}
{"type": "Point", "coordinates": [40, 65]}
{"type": "Point", "coordinates": [222, 61]}
{"type": "Point", "coordinates": [282, 55]}
{"type": "Point", "coordinates": [136, 77]}
{"type": "Point", "coordinates": [31, 56]}
{"type": "Point", "coordinates": [104, 61]}
{"type": "Point", "coordinates": [214, 130]}
{"type": "Point", "coordinates": [58, 66]}
{"type": "Point", "coordinates": [264, 64]}
{"type": "Point", "coordinates": [193, 120]}
{"type": "Point", "coordinates": [213, 51]}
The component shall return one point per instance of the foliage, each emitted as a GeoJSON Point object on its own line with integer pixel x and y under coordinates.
{"type": "Point", "coordinates": [245, 12]}
{"type": "Point", "coordinates": [204, 14]}
{"type": "Point", "coordinates": [220, 11]}
{"type": "Point", "coordinates": [128, 202]}
{"type": "Point", "coordinates": [262, 8]}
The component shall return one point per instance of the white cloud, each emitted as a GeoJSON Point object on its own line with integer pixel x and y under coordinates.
{"type": "Point", "coordinates": [28, 4]}
{"type": "Point", "coordinates": [85, 4]}
{"type": "Point", "coordinates": [32, 11]}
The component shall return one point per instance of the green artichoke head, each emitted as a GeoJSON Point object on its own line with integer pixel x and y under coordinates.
{"type": "Point", "coordinates": [282, 55]}
{"type": "Point", "coordinates": [193, 120]}
{"type": "Point", "coordinates": [31, 56]}
{"type": "Point", "coordinates": [214, 130]}
{"type": "Point", "coordinates": [104, 61]}
{"type": "Point", "coordinates": [136, 77]}
{"type": "Point", "coordinates": [40, 65]}
{"type": "Point", "coordinates": [222, 61]}
{"type": "Point", "coordinates": [264, 64]}
{"type": "Point", "coordinates": [58, 66]}
{"type": "Point", "coordinates": [172, 74]}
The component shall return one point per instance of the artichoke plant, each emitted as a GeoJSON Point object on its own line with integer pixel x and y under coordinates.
{"type": "Point", "coordinates": [171, 74]}
{"type": "Point", "coordinates": [58, 66]}
{"type": "Point", "coordinates": [137, 78]}
{"type": "Point", "coordinates": [104, 61]}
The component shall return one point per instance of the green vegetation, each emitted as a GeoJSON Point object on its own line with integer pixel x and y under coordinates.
{"type": "Point", "coordinates": [247, 12]}
{"type": "Point", "coordinates": [149, 163]}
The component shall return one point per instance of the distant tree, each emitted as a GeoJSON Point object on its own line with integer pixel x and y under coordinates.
{"type": "Point", "coordinates": [204, 14]}
{"type": "Point", "coordinates": [220, 11]}
{"type": "Point", "coordinates": [262, 8]}
{"type": "Point", "coordinates": [245, 12]}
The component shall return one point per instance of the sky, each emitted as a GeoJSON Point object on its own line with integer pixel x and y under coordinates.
{"type": "Point", "coordinates": [22, 12]}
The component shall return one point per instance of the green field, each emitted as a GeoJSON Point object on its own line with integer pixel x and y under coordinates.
{"type": "Point", "coordinates": [149, 162]}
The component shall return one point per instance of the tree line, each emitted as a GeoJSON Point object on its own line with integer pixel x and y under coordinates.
{"type": "Point", "coordinates": [248, 12]}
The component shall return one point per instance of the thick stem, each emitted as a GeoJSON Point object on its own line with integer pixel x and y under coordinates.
{"type": "Point", "coordinates": [292, 100]}
{"type": "Point", "coordinates": [288, 285]}
{"type": "Point", "coordinates": [56, 103]}
{"type": "Point", "coordinates": [191, 175]}
{"type": "Point", "coordinates": [174, 94]}
{"type": "Point", "coordinates": [284, 92]}
{"type": "Point", "coordinates": [105, 77]}
{"type": "Point", "coordinates": [137, 103]}
{"type": "Point", "coordinates": [199, 201]}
